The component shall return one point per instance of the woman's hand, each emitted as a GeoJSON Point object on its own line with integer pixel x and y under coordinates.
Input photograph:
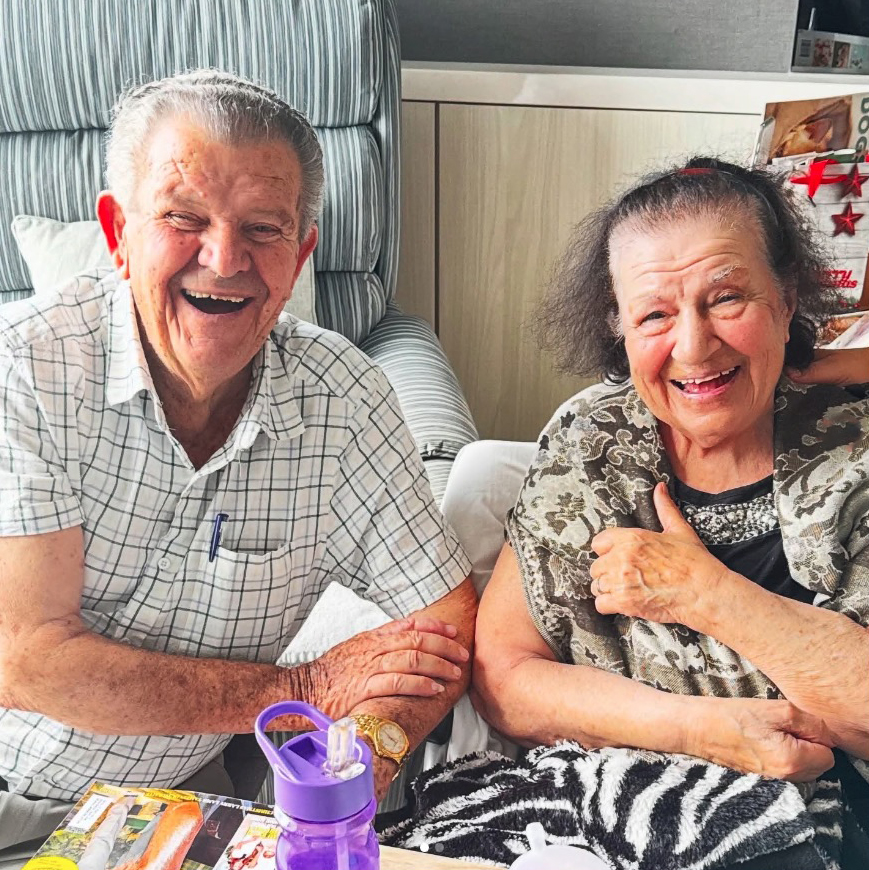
{"type": "Point", "coordinates": [755, 735]}
{"type": "Point", "coordinates": [842, 367]}
{"type": "Point", "coordinates": [660, 576]}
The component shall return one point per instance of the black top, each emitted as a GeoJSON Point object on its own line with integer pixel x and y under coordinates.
{"type": "Point", "coordinates": [762, 558]}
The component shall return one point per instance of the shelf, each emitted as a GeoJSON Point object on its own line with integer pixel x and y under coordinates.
{"type": "Point", "coordinates": [599, 88]}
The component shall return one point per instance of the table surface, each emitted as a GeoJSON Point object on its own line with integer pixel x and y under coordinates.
{"type": "Point", "coordinates": [403, 859]}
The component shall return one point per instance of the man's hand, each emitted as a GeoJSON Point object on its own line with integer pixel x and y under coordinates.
{"type": "Point", "coordinates": [450, 623]}
{"type": "Point", "coordinates": [659, 576]}
{"type": "Point", "coordinates": [412, 656]}
{"type": "Point", "coordinates": [842, 367]}
{"type": "Point", "coordinates": [754, 735]}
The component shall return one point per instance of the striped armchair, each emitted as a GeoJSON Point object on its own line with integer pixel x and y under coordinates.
{"type": "Point", "coordinates": [63, 62]}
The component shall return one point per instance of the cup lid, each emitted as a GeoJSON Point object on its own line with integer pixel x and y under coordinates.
{"type": "Point", "coordinates": [307, 788]}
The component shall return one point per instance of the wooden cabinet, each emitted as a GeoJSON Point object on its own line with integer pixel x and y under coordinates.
{"type": "Point", "coordinates": [415, 290]}
{"type": "Point", "coordinates": [513, 182]}
{"type": "Point", "coordinates": [490, 194]}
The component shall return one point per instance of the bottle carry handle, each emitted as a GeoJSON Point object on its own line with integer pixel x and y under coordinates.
{"type": "Point", "coordinates": [285, 708]}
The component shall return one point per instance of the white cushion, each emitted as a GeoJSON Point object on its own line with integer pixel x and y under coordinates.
{"type": "Point", "coordinates": [338, 615]}
{"type": "Point", "coordinates": [55, 251]}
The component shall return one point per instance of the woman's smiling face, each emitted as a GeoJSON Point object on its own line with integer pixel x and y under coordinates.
{"type": "Point", "coordinates": [705, 323]}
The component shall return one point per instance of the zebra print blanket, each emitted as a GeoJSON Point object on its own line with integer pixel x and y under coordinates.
{"type": "Point", "coordinates": [635, 810]}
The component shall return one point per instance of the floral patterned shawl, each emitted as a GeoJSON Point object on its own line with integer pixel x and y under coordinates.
{"type": "Point", "coordinates": [597, 465]}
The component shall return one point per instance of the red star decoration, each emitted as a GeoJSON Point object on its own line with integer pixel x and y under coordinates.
{"type": "Point", "coordinates": [846, 220]}
{"type": "Point", "coordinates": [814, 178]}
{"type": "Point", "coordinates": [853, 182]}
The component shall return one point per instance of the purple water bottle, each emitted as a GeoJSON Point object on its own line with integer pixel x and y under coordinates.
{"type": "Point", "coordinates": [324, 793]}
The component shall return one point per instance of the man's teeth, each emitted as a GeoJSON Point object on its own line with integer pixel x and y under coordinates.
{"type": "Point", "coordinates": [703, 380]}
{"type": "Point", "coordinates": [196, 295]}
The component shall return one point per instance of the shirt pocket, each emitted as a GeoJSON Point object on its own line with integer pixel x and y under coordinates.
{"type": "Point", "coordinates": [248, 600]}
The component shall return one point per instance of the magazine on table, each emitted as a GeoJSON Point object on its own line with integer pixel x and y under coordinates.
{"type": "Point", "coordinates": [114, 828]}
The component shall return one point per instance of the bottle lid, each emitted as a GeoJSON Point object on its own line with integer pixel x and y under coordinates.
{"type": "Point", "coordinates": [320, 776]}
{"type": "Point", "coordinates": [555, 857]}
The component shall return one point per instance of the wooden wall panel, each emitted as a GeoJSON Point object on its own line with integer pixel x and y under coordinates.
{"type": "Point", "coordinates": [513, 181]}
{"type": "Point", "coordinates": [415, 292]}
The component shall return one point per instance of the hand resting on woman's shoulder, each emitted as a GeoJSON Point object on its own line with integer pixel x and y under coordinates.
{"type": "Point", "coordinates": [843, 367]}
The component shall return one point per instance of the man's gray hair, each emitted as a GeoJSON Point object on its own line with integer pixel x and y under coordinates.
{"type": "Point", "coordinates": [229, 108]}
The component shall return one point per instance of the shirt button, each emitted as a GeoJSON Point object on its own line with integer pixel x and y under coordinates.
{"type": "Point", "coordinates": [164, 564]}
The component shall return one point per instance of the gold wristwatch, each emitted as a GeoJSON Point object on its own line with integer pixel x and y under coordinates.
{"type": "Point", "coordinates": [386, 737]}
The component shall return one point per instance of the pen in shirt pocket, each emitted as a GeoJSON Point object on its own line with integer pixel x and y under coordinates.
{"type": "Point", "coordinates": [216, 528]}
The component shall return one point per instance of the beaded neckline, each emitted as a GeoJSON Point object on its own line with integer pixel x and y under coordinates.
{"type": "Point", "coordinates": [724, 519]}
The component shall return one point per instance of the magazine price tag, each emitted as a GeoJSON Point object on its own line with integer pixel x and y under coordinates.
{"type": "Point", "coordinates": [88, 815]}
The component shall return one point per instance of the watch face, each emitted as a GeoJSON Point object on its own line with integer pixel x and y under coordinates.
{"type": "Point", "coordinates": [392, 738]}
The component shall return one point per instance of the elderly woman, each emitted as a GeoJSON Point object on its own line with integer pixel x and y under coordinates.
{"type": "Point", "coordinates": [687, 566]}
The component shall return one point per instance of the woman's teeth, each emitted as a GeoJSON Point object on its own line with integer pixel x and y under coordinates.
{"type": "Point", "coordinates": [697, 385]}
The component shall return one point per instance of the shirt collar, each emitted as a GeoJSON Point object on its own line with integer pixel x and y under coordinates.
{"type": "Point", "coordinates": [126, 367]}
{"type": "Point", "coordinates": [275, 408]}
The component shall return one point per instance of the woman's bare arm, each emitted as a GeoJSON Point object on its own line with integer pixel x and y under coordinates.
{"type": "Point", "coordinates": [819, 659]}
{"type": "Point", "coordinates": [526, 694]}
{"type": "Point", "coordinates": [816, 657]}
{"type": "Point", "coordinates": [520, 689]}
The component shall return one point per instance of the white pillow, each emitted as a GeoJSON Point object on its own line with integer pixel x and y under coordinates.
{"type": "Point", "coordinates": [55, 251]}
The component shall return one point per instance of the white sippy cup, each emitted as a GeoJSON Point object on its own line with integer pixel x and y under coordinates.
{"type": "Point", "coordinates": [543, 857]}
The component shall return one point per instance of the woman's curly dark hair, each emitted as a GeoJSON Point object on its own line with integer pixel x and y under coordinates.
{"type": "Point", "coordinates": [577, 317]}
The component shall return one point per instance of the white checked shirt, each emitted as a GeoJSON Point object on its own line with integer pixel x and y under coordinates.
{"type": "Point", "coordinates": [320, 478]}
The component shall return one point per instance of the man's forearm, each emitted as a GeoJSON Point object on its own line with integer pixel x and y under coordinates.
{"type": "Point", "coordinates": [99, 685]}
{"type": "Point", "coordinates": [64, 671]}
{"type": "Point", "coordinates": [817, 658]}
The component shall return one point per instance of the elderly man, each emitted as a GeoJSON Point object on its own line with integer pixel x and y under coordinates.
{"type": "Point", "coordinates": [183, 470]}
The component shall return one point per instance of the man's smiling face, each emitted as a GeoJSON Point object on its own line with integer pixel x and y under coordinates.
{"type": "Point", "coordinates": [210, 243]}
